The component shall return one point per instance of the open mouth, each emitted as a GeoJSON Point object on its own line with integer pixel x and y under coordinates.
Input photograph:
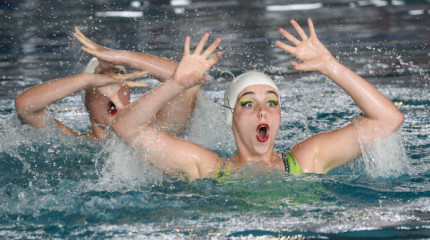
{"type": "Point", "coordinates": [263, 132]}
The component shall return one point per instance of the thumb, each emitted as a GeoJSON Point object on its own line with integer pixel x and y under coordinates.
{"type": "Point", "coordinates": [296, 65]}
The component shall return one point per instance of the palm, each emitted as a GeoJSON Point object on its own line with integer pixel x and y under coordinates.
{"type": "Point", "coordinates": [191, 68]}
{"type": "Point", "coordinates": [309, 50]}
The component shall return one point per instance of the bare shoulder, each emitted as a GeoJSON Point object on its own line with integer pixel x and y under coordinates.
{"type": "Point", "coordinates": [305, 152]}
{"type": "Point", "coordinates": [325, 151]}
{"type": "Point", "coordinates": [174, 155]}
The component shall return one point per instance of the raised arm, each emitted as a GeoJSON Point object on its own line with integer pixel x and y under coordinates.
{"type": "Point", "coordinates": [161, 68]}
{"type": "Point", "coordinates": [329, 150]}
{"type": "Point", "coordinates": [181, 107]}
{"type": "Point", "coordinates": [172, 155]}
{"type": "Point", "coordinates": [30, 104]}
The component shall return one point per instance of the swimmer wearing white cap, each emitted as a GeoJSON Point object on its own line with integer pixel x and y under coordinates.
{"type": "Point", "coordinates": [254, 113]}
{"type": "Point", "coordinates": [104, 88]}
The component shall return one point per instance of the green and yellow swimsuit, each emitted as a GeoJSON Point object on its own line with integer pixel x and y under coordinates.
{"type": "Point", "coordinates": [290, 163]}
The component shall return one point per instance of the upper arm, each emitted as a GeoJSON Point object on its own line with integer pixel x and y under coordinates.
{"type": "Point", "coordinates": [36, 118]}
{"type": "Point", "coordinates": [174, 155]}
{"type": "Point", "coordinates": [328, 150]}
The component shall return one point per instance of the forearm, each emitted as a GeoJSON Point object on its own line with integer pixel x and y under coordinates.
{"type": "Point", "coordinates": [138, 115]}
{"type": "Point", "coordinates": [31, 103]}
{"type": "Point", "coordinates": [181, 107]}
{"type": "Point", "coordinates": [372, 102]}
{"type": "Point", "coordinates": [161, 68]}
{"type": "Point", "coordinates": [174, 117]}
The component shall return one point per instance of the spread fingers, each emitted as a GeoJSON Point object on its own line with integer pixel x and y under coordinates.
{"type": "Point", "coordinates": [286, 47]}
{"type": "Point", "coordinates": [201, 44]}
{"type": "Point", "coordinates": [212, 47]}
{"type": "Point", "coordinates": [289, 37]}
{"type": "Point", "coordinates": [299, 30]}
{"type": "Point", "coordinates": [215, 58]}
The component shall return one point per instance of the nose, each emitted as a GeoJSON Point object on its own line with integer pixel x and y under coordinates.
{"type": "Point", "coordinates": [262, 111]}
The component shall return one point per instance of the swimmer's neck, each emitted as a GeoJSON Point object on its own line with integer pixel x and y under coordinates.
{"type": "Point", "coordinates": [243, 158]}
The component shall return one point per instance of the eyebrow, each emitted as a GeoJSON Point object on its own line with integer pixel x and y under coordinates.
{"type": "Point", "coordinates": [246, 93]}
{"type": "Point", "coordinates": [269, 92]}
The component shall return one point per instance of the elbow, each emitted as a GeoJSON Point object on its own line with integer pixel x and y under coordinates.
{"type": "Point", "coordinates": [26, 115]}
{"type": "Point", "coordinates": [393, 122]}
{"type": "Point", "coordinates": [397, 119]}
{"type": "Point", "coordinates": [18, 103]}
{"type": "Point", "coordinates": [20, 107]}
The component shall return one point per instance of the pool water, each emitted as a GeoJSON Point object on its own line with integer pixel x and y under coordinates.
{"type": "Point", "coordinates": [57, 186]}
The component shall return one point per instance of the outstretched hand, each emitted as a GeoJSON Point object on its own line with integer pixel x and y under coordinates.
{"type": "Point", "coordinates": [191, 68]}
{"type": "Point", "coordinates": [102, 53]}
{"type": "Point", "coordinates": [313, 54]}
{"type": "Point", "coordinates": [112, 78]}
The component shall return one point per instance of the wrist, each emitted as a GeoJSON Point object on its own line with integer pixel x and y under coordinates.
{"type": "Point", "coordinates": [331, 66]}
{"type": "Point", "coordinates": [88, 80]}
{"type": "Point", "coordinates": [94, 80]}
{"type": "Point", "coordinates": [174, 84]}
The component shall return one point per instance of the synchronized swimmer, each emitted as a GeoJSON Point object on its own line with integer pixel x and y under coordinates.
{"type": "Point", "coordinates": [105, 91]}
{"type": "Point", "coordinates": [252, 110]}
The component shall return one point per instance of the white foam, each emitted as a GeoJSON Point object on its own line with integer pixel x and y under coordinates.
{"type": "Point", "coordinates": [120, 168]}
{"type": "Point", "coordinates": [386, 157]}
{"type": "Point", "coordinates": [208, 128]}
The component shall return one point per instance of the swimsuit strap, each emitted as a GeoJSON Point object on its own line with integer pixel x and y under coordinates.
{"type": "Point", "coordinates": [290, 163]}
{"type": "Point", "coordinates": [221, 175]}
{"type": "Point", "coordinates": [284, 159]}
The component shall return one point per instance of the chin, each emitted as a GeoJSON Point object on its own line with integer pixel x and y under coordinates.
{"type": "Point", "coordinates": [263, 148]}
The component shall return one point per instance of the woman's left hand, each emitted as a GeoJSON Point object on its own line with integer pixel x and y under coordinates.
{"type": "Point", "coordinates": [191, 68]}
{"type": "Point", "coordinates": [102, 53]}
{"type": "Point", "coordinates": [313, 54]}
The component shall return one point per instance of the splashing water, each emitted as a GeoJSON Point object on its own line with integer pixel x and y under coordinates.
{"type": "Point", "coordinates": [56, 186]}
{"type": "Point", "coordinates": [120, 168]}
{"type": "Point", "coordinates": [386, 157]}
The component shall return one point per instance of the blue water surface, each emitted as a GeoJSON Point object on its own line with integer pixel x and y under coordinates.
{"type": "Point", "coordinates": [57, 186]}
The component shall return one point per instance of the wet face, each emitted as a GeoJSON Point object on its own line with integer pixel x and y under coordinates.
{"type": "Point", "coordinates": [256, 118]}
{"type": "Point", "coordinates": [101, 109]}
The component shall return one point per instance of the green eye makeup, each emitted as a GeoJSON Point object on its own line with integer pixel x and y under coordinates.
{"type": "Point", "coordinates": [273, 100]}
{"type": "Point", "coordinates": [245, 101]}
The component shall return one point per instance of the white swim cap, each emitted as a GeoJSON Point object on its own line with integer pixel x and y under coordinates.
{"type": "Point", "coordinates": [91, 68]}
{"type": "Point", "coordinates": [240, 83]}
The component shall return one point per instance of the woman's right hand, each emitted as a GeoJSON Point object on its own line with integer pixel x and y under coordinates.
{"type": "Point", "coordinates": [102, 53]}
{"type": "Point", "coordinates": [114, 83]}
{"type": "Point", "coordinates": [191, 68]}
{"type": "Point", "coordinates": [313, 54]}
